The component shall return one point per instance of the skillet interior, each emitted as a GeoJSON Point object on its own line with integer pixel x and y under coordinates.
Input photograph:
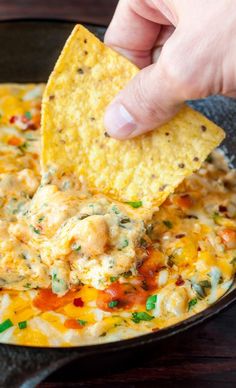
{"type": "Point", "coordinates": [28, 50]}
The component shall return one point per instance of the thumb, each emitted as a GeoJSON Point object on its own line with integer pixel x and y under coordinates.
{"type": "Point", "coordinates": [151, 98]}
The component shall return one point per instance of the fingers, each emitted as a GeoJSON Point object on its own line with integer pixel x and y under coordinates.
{"type": "Point", "coordinates": [149, 100]}
{"type": "Point", "coordinates": [131, 34]}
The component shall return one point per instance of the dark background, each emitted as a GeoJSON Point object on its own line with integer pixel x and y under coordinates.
{"type": "Point", "coordinates": [204, 357]}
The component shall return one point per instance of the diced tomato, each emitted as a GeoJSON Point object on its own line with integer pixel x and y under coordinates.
{"type": "Point", "coordinates": [15, 141]}
{"type": "Point", "coordinates": [73, 324]}
{"type": "Point", "coordinates": [179, 281]}
{"type": "Point", "coordinates": [46, 300]}
{"type": "Point", "coordinates": [77, 302]}
{"type": "Point", "coordinates": [184, 201]}
{"type": "Point", "coordinates": [126, 294]}
{"type": "Point", "coordinates": [12, 119]}
{"type": "Point", "coordinates": [228, 237]}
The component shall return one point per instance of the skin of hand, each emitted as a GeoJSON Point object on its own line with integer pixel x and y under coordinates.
{"type": "Point", "coordinates": [186, 49]}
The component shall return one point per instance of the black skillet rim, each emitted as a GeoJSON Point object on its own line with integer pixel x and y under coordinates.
{"type": "Point", "coordinates": [222, 304]}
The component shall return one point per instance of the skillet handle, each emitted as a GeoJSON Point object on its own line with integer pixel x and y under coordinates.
{"type": "Point", "coordinates": [26, 367]}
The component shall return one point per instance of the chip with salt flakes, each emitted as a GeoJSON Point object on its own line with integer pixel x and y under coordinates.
{"type": "Point", "coordinates": [84, 81]}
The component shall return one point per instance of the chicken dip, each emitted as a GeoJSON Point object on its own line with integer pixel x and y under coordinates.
{"type": "Point", "coordinates": [77, 268]}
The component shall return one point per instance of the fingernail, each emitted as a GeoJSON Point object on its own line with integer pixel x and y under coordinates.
{"type": "Point", "coordinates": [118, 121]}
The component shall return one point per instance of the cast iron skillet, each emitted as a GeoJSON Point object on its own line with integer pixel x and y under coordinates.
{"type": "Point", "coordinates": [28, 51]}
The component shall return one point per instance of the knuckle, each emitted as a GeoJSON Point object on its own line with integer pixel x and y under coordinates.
{"type": "Point", "coordinates": [181, 76]}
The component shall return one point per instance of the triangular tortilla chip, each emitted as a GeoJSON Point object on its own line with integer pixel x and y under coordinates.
{"type": "Point", "coordinates": [85, 79]}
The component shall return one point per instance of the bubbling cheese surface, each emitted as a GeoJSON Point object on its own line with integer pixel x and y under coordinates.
{"type": "Point", "coordinates": [77, 268]}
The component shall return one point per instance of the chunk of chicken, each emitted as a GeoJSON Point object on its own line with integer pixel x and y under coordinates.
{"type": "Point", "coordinates": [93, 235]}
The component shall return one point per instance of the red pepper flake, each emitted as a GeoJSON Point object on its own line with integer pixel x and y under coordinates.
{"type": "Point", "coordinates": [179, 281]}
{"type": "Point", "coordinates": [222, 208]}
{"type": "Point", "coordinates": [78, 302]}
{"type": "Point", "coordinates": [12, 119]}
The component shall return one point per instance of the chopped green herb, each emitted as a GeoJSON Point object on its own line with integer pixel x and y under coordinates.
{"type": "Point", "coordinates": [170, 261]}
{"type": "Point", "coordinates": [27, 285]}
{"type": "Point", "coordinates": [22, 325]}
{"type": "Point", "coordinates": [200, 291]}
{"type": "Point", "coordinates": [28, 115]}
{"type": "Point", "coordinates": [126, 274]}
{"type": "Point", "coordinates": [41, 219]}
{"type": "Point", "coordinates": [192, 303]}
{"type": "Point", "coordinates": [76, 247]}
{"type": "Point", "coordinates": [23, 255]}
{"type": "Point", "coordinates": [216, 217]}
{"type": "Point", "coordinates": [83, 216]}
{"type": "Point", "coordinates": [143, 243]}
{"type": "Point", "coordinates": [115, 210]}
{"type": "Point", "coordinates": [124, 244]}
{"type": "Point", "coordinates": [82, 322]}
{"type": "Point", "coordinates": [5, 325]}
{"type": "Point", "coordinates": [124, 221]}
{"type": "Point", "coordinates": [168, 224]}
{"type": "Point", "coordinates": [151, 302]}
{"type": "Point", "coordinates": [136, 204]}
{"type": "Point", "coordinates": [113, 303]}
{"type": "Point", "coordinates": [58, 285]}
{"type": "Point", "coordinates": [141, 316]}
{"type": "Point", "coordinates": [35, 230]}
{"type": "Point", "coordinates": [233, 261]}
{"type": "Point", "coordinates": [114, 279]}
{"type": "Point", "coordinates": [205, 284]}
{"type": "Point", "coordinates": [23, 147]}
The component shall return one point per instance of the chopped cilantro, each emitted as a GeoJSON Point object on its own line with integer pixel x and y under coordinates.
{"type": "Point", "coordinates": [27, 285]}
{"type": "Point", "coordinates": [23, 147]}
{"type": "Point", "coordinates": [216, 217]}
{"type": "Point", "coordinates": [168, 224]}
{"type": "Point", "coordinates": [22, 325]}
{"type": "Point", "coordinates": [113, 304]}
{"type": "Point", "coordinates": [136, 204]}
{"type": "Point", "coordinates": [126, 274]}
{"type": "Point", "coordinates": [233, 261]}
{"type": "Point", "coordinates": [114, 279]}
{"type": "Point", "coordinates": [58, 285]}
{"type": "Point", "coordinates": [41, 219]}
{"type": "Point", "coordinates": [143, 243]}
{"type": "Point", "coordinates": [28, 115]}
{"type": "Point", "coordinates": [124, 221]}
{"type": "Point", "coordinates": [141, 316]}
{"type": "Point", "coordinates": [35, 230]}
{"type": "Point", "coordinates": [151, 302]}
{"type": "Point", "coordinates": [205, 284]}
{"type": "Point", "coordinates": [82, 322]}
{"type": "Point", "coordinates": [170, 261]}
{"type": "Point", "coordinates": [192, 303]}
{"type": "Point", "coordinates": [115, 210]}
{"type": "Point", "coordinates": [124, 244]}
{"type": "Point", "coordinates": [5, 325]}
{"type": "Point", "coordinates": [76, 247]}
{"type": "Point", "coordinates": [200, 291]}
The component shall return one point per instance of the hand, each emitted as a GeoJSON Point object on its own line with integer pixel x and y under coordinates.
{"type": "Point", "coordinates": [186, 50]}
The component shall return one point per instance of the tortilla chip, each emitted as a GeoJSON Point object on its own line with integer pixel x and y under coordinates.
{"type": "Point", "coordinates": [86, 77]}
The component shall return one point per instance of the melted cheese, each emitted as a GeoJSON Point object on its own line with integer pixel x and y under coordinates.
{"type": "Point", "coordinates": [77, 268]}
